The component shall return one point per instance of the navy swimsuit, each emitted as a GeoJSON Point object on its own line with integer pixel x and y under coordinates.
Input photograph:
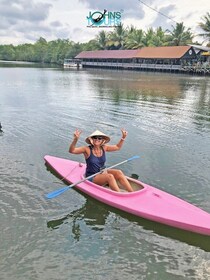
{"type": "Point", "coordinates": [95, 164]}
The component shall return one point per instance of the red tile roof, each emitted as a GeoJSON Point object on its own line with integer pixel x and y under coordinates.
{"type": "Point", "coordinates": [163, 52]}
{"type": "Point", "coordinates": [108, 54]}
{"type": "Point", "coordinates": [146, 52]}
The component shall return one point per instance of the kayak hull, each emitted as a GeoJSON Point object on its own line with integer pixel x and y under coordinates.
{"type": "Point", "coordinates": [146, 201]}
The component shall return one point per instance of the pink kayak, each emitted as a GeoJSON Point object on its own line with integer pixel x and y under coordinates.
{"type": "Point", "coordinates": [146, 201]}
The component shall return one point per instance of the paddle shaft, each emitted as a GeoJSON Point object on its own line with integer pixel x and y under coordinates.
{"type": "Point", "coordinates": [62, 190]}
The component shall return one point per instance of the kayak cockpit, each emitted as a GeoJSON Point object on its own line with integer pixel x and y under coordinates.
{"type": "Point", "coordinates": [136, 185]}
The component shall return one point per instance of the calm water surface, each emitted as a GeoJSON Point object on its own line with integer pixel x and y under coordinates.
{"type": "Point", "coordinates": [74, 237]}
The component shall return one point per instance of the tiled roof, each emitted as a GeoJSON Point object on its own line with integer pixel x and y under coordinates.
{"type": "Point", "coordinates": [108, 54]}
{"type": "Point", "coordinates": [146, 52]}
{"type": "Point", "coordinates": [163, 52]}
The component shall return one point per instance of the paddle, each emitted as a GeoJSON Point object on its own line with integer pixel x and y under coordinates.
{"type": "Point", "coordinates": [62, 190]}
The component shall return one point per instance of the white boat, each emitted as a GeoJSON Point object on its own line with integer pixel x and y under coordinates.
{"type": "Point", "coordinates": [71, 63]}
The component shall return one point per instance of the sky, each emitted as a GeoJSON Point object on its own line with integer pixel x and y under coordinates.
{"type": "Point", "coordinates": [25, 21]}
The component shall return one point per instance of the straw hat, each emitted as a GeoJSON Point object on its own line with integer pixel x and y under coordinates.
{"type": "Point", "coordinates": [97, 133]}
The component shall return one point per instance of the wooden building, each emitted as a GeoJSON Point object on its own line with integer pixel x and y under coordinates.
{"type": "Point", "coordinates": [169, 59]}
{"type": "Point", "coordinates": [147, 58]}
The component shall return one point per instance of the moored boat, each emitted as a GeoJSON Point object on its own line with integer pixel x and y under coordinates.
{"type": "Point", "coordinates": [146, 201]}
{"type": "Point", "coordinates": [72, 63]}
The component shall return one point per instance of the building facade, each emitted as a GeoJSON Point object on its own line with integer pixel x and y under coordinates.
{"type": "Point", "coordinates": [169, 59]}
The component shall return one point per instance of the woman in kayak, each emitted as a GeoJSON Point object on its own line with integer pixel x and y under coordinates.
{"type": "Point", "coordinates": [95, 157]}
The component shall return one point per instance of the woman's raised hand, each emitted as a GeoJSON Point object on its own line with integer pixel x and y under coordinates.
{"type": "Point", "coordinates": [124, 133]}
{"type": "Point", "coordinates": [77, 133]}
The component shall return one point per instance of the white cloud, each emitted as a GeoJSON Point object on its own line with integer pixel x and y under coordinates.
{"type": "Point", "coordinates": [24, 21]}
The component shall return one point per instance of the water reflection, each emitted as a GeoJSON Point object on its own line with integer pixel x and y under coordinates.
{"type": "Point", "coordinates": [190, 238]}
{"type": "Point", "coordinates": [25, 64]}
{"type": "Point", "coordinates": [177, 102]}
{"type": "Point", "coordinates": [134, 83]}
{"type": "Point", "coordinates": [94, 215]}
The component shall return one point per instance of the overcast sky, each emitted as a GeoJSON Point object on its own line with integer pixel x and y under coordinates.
{"type": "Point", "coordinates": [25, 21]}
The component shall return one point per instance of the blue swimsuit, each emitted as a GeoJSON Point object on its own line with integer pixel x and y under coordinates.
{"type": "Point", "coordinates": [95, 164]}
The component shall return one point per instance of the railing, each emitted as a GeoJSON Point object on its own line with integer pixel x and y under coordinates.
{"type": "Point", "coordinates": [154, 66]}
{"type": "Point", "coordinates": [198, 69]}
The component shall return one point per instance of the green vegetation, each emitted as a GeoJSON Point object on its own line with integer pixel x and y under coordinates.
{"type": "Point", "coordinates": [205, 26]}
{"type": "Point", "coordinates": [120, 38]}
{"type": "Point", "coordinates": [42, 51]}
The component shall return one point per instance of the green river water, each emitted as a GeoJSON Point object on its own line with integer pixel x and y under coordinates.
{"type": "Point", "coordinates": [167, 117]}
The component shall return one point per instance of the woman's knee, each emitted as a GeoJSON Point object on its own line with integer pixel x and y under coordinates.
{"type": "Point", "coordinates": [110, 178]}
{"type": "Point", "coordinates": [119, 174]}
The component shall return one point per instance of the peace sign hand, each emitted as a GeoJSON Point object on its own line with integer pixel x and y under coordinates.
{"type": "Point", "coordinates": [77, 133]}
{"type": "Point", "coordinates": [124, 133]}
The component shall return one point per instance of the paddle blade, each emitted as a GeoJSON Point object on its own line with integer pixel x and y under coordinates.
{"type": "Point", "coordinates": [134, 157]}
{"type": "Point", "coordinates": [56, 193]}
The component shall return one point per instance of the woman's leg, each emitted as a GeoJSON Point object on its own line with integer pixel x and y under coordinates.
{"type": "Point", "coordinates": [119, 176]}
{"type": "Point", "coordinates": [106, 178]}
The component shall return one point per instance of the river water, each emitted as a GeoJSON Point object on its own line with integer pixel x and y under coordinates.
{"type": "Point", "coordinates": [167, 117]}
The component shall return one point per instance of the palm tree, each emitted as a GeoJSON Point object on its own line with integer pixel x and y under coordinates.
{"type": "Point", "coordinates": [117, 37]}
{"type": "Point", "coordinates": [179, 36]}
{"type": "Point", "coordinates": [102, 39]}
{"type": "Point", "coordinates": [205, 25]}
{"type": "Point", "coordinates": [149, 36]}
{"type": "Point", "coordinates": [159, 38]}
{"type": "Point", "coordinates": [134, 39]}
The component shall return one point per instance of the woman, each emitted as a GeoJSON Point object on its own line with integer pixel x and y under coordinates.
{"type": "Point", "coordinates": [95, 157]}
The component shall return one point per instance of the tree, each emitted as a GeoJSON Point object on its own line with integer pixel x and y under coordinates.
{"type": "Point", "coordinates": [179, 36]}
{"type": "Point", "coordinates": [7, 52]}
{"type": "Point", "coordinates": [92, 45]}
{"type": "Point", "coordinates": [73, 50]}
{"type": "Point", "coordinates": [134, 39]}
{"type": "Point", "coordinates": [149, 37]}
{"type": "Point", "coordinates": [116, 38]}
{"type": "Point", "coordinates": [159, 38]}
{"type": "Point", "coordinates": [40, 50]}
{"type": "Point", "coordinates": [102, 39]}
{"type": "Point", "coordinates": [24, 52]}
{"type": "Point", "coordinates": [205, 25]}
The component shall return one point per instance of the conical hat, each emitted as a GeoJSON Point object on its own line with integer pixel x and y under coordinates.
{"type": "Point", "coordinates": [97, 133]}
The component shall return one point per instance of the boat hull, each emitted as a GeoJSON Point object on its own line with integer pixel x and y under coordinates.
{"type": "Point", "coordinates": [146, 201]}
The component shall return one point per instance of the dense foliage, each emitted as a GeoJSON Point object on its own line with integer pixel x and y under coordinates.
{"type": "Point", "coordinates": [42, 51]}
{"type": "Point", "coordinates": [120, 38]}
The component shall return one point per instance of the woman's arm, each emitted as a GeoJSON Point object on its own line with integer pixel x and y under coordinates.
{"type": "Point", "coordinates": [118, 146]}
{"type": "Point", "coordinates": [72, 147]}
